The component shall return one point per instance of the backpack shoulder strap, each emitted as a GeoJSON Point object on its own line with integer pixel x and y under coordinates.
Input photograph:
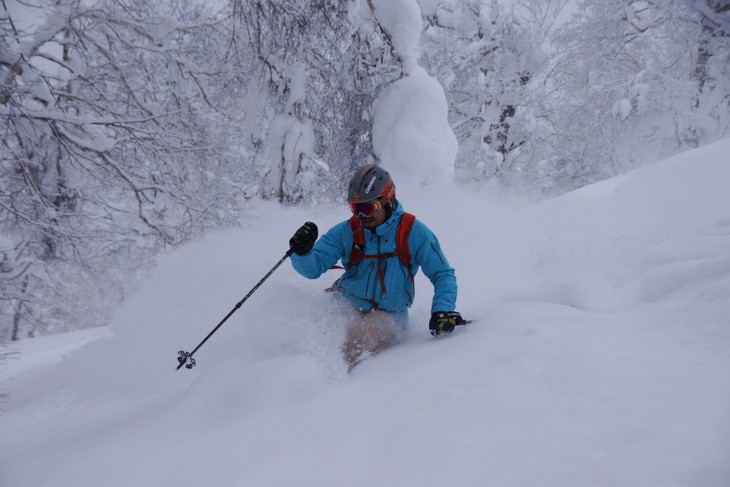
{"type": "Point", "coordinates": [358, 241]}
{"type": "Point", "coordinates": [401, 240]}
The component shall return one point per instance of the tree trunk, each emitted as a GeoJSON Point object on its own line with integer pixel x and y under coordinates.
{"type": "Point", "coordinates": [18, 316]}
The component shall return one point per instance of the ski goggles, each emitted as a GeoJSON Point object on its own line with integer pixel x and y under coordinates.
{"type": "Point", "coordinates": [368, 208]}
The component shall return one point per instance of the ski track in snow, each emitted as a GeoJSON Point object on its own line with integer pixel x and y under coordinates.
{"type": "Point", "coordinates": [600, 356]}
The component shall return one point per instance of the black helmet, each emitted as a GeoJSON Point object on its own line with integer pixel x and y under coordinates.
{"type": "Point", "coordinates": [370, 183]}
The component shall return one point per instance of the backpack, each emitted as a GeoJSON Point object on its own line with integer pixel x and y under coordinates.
{"type": "Point", "coordinates": [401, 243]}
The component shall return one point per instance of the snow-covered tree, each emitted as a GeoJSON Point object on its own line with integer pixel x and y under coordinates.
{"type": "Point", "coordinates": [290, 153]}
{"type": "Point", "coordinates": [411, 135]}
{"type": "Point", "coordinates": [330, 60]}
{"type": "Point", "coordinates": [711, 69]}
{"type": "Point", "coordinates": [100, 161]}
{"type": "Point", "coordinates": [304, 104]}
{"type": "Point", "coordinates": [485, 53]}
{"type": "Point", "coordinates": [621, 90]}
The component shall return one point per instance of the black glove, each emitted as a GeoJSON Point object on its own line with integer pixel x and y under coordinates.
{"type": "Point", "coordinates": [444, 322]}
{"type": "Point", "coordinates": [303, 240]}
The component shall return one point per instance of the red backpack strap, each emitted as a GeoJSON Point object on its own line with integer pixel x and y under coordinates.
{"type": "Point", "coordinates": [358, 242]}
{"type": "Point", "coordinates": [401, 240]}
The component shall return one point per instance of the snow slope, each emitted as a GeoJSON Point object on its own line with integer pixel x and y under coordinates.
{"type": "Point", "coordinates": [600, 356]}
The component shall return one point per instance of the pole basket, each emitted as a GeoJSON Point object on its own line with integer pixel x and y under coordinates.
{"type": "Point", "coordinates": [186, 359]}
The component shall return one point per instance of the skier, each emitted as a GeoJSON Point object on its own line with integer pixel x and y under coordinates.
{"type": "Point", "coordinates": [381, 248]}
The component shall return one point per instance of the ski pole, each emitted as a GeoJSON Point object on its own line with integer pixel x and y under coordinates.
{"type": "Point", "coordinates": [184, 357]}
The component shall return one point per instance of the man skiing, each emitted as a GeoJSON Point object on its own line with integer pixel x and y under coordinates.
{"type": "Point", "coordinates": [381, 248]}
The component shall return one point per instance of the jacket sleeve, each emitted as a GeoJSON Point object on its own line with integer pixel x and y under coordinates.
{"type": "Point", "coordinates": [330, 248]}
{"type": "Point", "coordinates": [430, 257]}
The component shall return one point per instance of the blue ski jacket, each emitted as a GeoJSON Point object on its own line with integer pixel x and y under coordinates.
{"type": "Point", "coordinates": [361, 285]}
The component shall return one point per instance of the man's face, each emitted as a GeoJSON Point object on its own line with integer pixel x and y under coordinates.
{"type": "Point", "coordinates": [370, 213]}
{"type": "Point", "coordinates": [373, 220]}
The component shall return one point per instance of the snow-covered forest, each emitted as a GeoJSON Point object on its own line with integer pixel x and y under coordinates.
{"type": "Point", "coordinates": [130, 127]}
{"type": "Point", "coordinates": [570, 155]}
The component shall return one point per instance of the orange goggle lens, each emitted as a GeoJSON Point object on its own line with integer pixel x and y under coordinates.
{"type": "Point", "coordinates": [366, 209]}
